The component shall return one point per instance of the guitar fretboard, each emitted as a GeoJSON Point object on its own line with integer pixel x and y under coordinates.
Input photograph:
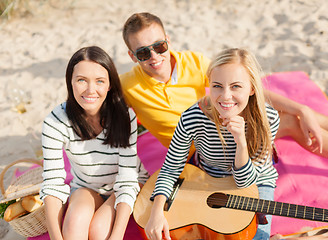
{"type": "Point", "coordinates": [277, 208]}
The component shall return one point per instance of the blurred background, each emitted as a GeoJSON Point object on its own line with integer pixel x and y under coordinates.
{"type": "Point", "coordinates": [39, 36]}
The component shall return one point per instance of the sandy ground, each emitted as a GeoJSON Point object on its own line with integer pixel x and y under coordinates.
{"type": "Point", "coordinates": [285, 35]}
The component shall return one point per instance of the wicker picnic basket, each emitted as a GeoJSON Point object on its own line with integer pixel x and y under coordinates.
{"type": "Point", "coordinates": [29, 183]}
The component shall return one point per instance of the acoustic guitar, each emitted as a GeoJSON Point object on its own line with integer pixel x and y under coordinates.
{"type": "Point", "coordinates": [204, 207]}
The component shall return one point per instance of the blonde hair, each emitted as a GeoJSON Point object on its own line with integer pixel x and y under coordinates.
{"type": "Point", "coordinates": [258, 133]}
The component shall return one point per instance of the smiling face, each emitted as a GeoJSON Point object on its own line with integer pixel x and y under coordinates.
{"type": "Point", "coordinates": [90, 83]}
{"type": "Point", "coordinates": [230, 89]}
{"type": "Point", "coordinates": [159, 65]}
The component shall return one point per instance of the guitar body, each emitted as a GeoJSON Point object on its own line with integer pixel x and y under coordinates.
{"type": "Point", "coordinates": [190, 217]}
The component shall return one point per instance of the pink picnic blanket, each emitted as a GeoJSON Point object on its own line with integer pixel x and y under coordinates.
{"type": "Point", "coordinates": [303, 177]}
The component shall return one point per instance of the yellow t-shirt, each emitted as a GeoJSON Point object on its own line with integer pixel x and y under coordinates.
{"type": "Point", "coordinates": [158, 105]}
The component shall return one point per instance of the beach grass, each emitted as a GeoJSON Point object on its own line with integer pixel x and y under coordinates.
{"type": "Point", "coordinates": [9, 7]}
{"type": "Point", "coordinates": [21, 8]}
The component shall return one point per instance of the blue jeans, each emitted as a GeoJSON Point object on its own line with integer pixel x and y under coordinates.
{"type": "Point", "coordinates": [264, 230]}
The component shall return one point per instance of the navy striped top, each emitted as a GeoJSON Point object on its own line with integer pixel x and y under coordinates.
{"type": "Point", "coordinates": [217, 161]}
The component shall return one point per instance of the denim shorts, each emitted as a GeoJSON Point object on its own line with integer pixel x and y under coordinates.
{"type": "Point", "coordinates": [105, 197]}
{"type": "Point", "coordinates": [263, 231]}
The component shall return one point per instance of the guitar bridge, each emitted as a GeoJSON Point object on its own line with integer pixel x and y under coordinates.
{"type": "Point", "coordinates": [174, 193]}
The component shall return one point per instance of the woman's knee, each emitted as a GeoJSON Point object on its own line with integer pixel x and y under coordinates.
{"type": "Point", "coordinates": [103, 220]}
{"type": "Point", "coordinates": [80, 211]}
{"type": "Point", "coordinates": [76, 222]}
{"type": "Point", "coordinates": [100, 229]}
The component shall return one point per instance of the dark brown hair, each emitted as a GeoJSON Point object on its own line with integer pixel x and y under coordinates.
{"type": "Point", "coordinates": [114, 114]}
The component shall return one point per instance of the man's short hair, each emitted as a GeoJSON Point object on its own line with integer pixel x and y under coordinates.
{"type": "Point", "coordinates": [137, 22]}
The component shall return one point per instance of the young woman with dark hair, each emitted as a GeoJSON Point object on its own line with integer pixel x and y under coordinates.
{"type": "Point", "coordinates": [99, 134]}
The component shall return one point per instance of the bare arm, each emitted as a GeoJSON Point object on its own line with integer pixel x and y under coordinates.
{"type": "Point", "coordinates": [122, 216]}
{"type": "Point", "coordinates": [157, 221]}
{"type": "Point", "coordinates": [54, 214]}
{"type": "Point", "coordinates": [283, 104]}
{"type": "Point", "coordinates": [236, 126]}
{"type": "Point", "coordinates": [307, 117]}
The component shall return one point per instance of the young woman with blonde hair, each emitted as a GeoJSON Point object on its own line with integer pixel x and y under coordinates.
{"type": "Point", "coordinates": [233, 130]}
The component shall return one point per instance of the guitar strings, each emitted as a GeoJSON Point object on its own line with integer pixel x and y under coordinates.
{"type": "Point", "coordinates": [277, 208]}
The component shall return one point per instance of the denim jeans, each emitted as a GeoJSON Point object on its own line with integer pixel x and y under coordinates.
{"type": "Point", "coordinates": [264, 230]}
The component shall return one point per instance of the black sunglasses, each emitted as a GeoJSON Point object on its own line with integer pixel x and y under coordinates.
{"type": "Point", "coordinates": [144, 53]}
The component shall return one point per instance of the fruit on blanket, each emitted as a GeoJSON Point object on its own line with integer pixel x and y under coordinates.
{"type": "Point", "coordinates": [13, 211]}
{"type": "Point", "coordinates": [31, 203]}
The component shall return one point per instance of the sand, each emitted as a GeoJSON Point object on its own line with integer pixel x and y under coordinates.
{"type": "Point", "coordinates": [285, 35]}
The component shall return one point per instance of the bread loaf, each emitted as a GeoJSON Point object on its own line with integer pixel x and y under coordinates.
{"type": "Point", "coordinates": [31, 203]}
{"type": "Point", "coordinates": [13, 211]}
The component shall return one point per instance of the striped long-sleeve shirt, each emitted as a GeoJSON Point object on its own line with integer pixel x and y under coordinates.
{"type": "Point", "coordinates": [213, 158]}
{"type": "Point", "coordinates": [94, 165]}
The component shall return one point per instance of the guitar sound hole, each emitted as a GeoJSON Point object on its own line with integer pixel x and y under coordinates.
{"type": "Point", "coordinates": [217, 200]}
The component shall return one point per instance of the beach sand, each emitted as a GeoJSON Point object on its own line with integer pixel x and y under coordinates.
{"type": "Point", "coordinates": [285, 35]}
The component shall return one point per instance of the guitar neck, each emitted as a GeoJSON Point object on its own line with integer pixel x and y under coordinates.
{"type": "Point", "coordinates": [277, 208]}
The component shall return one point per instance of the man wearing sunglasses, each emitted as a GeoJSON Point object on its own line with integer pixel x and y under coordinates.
{"type": "Point", "coordinates": [166, 82]}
